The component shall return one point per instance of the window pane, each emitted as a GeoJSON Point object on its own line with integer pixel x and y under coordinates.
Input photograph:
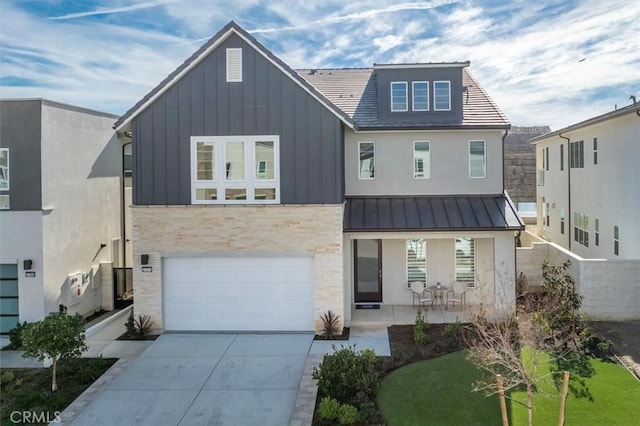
{"type": "Point", "coordinates": [399, 96]}
{"type": "Point", "coordinates": [465, 260]}
{"type": "Point", "coordinates": [235, 160]}
{"type": "Point", "coordinates": [417, 260]}
{"type": "Point", "coordinates": [441, 95]}
{"type": "Point", "coordinates": [422, 162]}
{"type": "Point", "coordinates": [4, 168]}
{"type": "Point", "coordinates": [206, 194]}
{"type": "Point", "coordinates": [420, 96]}
{"type": "Point", "coordinates": [264, 194]}
{"type": "Point", "coordinates": [265, 166]}
{"type": "Point", "coordinates": [4, 202]}
{"type": "Point", "coordinates": [476, 159]}
{"type": "Point", "coordinates": [615, 232]}
{"type": "Point", "coordinates": [206, 161]}
{"type": "Point", "coordinates": [367, 160]}
{"type": "Point", "coordinates": [235, 194]}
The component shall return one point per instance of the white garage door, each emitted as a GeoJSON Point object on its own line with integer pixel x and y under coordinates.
{"type": "Point", "coordinates": [238, 294]}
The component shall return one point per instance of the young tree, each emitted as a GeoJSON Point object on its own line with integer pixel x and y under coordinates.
{"type": "Point", "coordinates": [57, 336]}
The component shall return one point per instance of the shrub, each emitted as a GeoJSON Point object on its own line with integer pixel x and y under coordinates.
{"type": "Point", "coordinates": [452, 329]}
{"type": "Point", "coordinates": [329, 325]}
{"type": "Point", "coordinates": [6, 377]}
{"type": "Point", "coordinates": [346, 373]}
{"type": "Point", "coordinates": [15, 335]}
{"type": "Point", "coordinates": [522, 284]}
{"type": "Point", "coordinates": [328, 408]}
{"type": "Point", "coordinates": [420, 328]}
{"type": "Point", "coordinates": [139, 328]}
{"type": "Point", "coordinates": [348, 414]}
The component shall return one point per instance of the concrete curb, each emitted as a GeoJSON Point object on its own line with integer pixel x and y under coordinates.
{"type": "Point", "coordinates": [100, 325]}
{"type": "Point", "coordinates": [307, 392]}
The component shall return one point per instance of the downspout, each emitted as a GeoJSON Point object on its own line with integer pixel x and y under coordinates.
{"type": "Point", "coordinates": [569, 214]}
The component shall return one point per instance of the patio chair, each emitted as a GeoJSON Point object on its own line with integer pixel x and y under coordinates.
{"type": "Point", "coordinates": [457, 294]}
{"type": "Point", "coordinates": [420, 294]}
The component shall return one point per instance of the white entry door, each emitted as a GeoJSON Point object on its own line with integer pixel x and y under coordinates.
{"type": "Point", "coordinates": [238, 293]}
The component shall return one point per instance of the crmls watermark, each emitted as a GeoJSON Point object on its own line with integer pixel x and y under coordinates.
{"type": "Point", "coordinates": [34, 417]}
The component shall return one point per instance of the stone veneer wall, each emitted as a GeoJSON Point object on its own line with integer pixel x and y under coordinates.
{"type": "Point", "coordinates": [164, 231]}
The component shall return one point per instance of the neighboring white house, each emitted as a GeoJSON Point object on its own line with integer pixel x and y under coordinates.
{"type": "Point", "coordinates": [589, 185]}
{"type": "Point", "coordinates": [60, 209]}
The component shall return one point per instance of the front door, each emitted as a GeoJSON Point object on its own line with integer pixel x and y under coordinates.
{"type": "Point", "coordinates": [367, 271]}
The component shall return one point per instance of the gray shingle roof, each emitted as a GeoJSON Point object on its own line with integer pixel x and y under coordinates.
{"type": "Point", "coordinates": [431, 213]}
{"type": "Point", "coordinates": [353, 90]}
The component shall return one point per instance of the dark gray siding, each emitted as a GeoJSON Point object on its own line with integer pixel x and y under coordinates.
{"type": "Point", "coordinates": [267, 102]}
{"type": "Point", "coordinates": [20, 131]}
{"type": "Point", "coordinates": [453, 74]}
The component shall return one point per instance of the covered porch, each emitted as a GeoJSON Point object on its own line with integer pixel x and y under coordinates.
{"type": "Point", "coordinates": [406, 314]}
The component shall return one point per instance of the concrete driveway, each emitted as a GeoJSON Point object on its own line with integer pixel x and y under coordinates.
{"type": "Point", "coordinates": [206, 379]}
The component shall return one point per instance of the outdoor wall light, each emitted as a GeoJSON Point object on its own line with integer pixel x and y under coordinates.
{"type": "Point", "coordinates": [144, 259]}
{"type": "Point", "coordinates": [27, 264]}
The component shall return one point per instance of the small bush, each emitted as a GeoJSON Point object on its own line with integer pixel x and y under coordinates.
{"type": "Point", "coordinates": [15, 335]}
{"type": "Point", "coordinates": [453, 329]}
{"type": "Point", "coordinates": [346, 373]}
{"type": "Point", "coordinates": [6, 377]}
{"type": "Point", "coordinates": [420, 328]}
{"type": "Point", "coordinates": [348, 415]}
{"type": "Point", "coordinates": [139, 328]}
{"type": "Point", "coordinates": [522, 284]}
{"type": "Point", "coordinates": [328, 408]}
{"type": "Point", "coordinates": [329, 325]}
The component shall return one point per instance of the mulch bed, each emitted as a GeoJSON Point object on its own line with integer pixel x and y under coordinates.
{"type": "Point", "coordinates": [343, 336]}
{"type": "Point", "coordinates": [127, 336]}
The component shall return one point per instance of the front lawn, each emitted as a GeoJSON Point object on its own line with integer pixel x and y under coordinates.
{"type": "Point", "coordinates": [438, 391]}
{"type": "Point", "coordinates": [29, 389]}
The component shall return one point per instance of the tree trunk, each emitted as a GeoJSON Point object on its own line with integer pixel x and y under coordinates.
{"type": "Point", "coordinates": [54, 383]}
{"type": "Point", "coordinates": [529, 404]}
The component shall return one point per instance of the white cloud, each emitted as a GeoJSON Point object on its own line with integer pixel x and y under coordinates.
{"type": "Point", "coordinates": [110, 11]}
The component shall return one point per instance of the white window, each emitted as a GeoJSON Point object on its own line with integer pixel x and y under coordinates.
{"type": "Point", "coordinates": [234, 65]}
{"type": "Point", "coordinates": [421, 160]}
{"type": "Point", "coordinates": [581, 229]}
{"type": "Point", "coordinates": [595, 150]}
{"type": "Point", "coordinates": [417, 261]}
{"type": "Point", "coordinates": [597, 231]}
{"type": "Point", "coordinates": [466, 261]}
{"type": "Point", "coordinates": [367, 163]}
{"type": "Point", "coordinates": [235, 169]}
{"type": "Point", "coordinates": [4, 169]}
{"type": "Point", "coordinates": [616, 240]}
{"type": "Point", "coordinates": [420, 99]}
{"type": "Point", "coordinates": [442, 95]}
{"type": "Point", "coordinates": [576, 155]}
{"type": "Point", "coordinates": [399, 102]}
{"type": "Point", "coordinates": [477, 159]}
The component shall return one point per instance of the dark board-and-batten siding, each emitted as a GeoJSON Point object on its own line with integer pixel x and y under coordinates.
{"type": "Point", "coordinates": [266, 102]}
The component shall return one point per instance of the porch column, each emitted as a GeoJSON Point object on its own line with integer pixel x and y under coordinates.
{"type": "Point", "coordinates": [504, 270]}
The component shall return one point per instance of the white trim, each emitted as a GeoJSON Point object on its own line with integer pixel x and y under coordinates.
{"type": "Point", "coordinates": [425, 65]}
{"type": "Point", "coordinates": [249, 183]}
{"type": "Point", "coordinates": [372, 161]}
{"type": "Point", "coordinates": [406, 96]}
{"type": "Point", "coordinates": [413, 96]}
{"type": "Point", "coordinates": [8, 174]}
{"type": "Point", "coordinates": [204, 54]}
{"type": "Point", "coordinates": [426, 171]}
{"type": "Point", "coordinates": [435, 104]}
{"type": "Point", "coordinates": [484, 158]}
{"type": "Point", "coordinates": [234, 54]}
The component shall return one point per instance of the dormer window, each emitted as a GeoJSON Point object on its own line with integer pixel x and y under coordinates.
{"type": "Point", "coordinates": [442, 96]}
{"type": "Point", "coordinates": [420, 90]}
{"type": "Point", "coordinates": [399, 97]}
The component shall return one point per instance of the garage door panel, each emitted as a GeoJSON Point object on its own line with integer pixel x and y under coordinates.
{"type": "Point", "coordinates": [238, 293]}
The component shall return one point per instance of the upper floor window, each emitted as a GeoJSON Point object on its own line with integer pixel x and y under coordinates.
{"type": "Point", "coordinates": [616, 240]}
{"type": "Point", "coordinates": [421, 160]}
{"type": "Point", "coordinates": [4, 169]}
{"type": "Point", "coordinates": [465, 261]}
{"type": "Point", "coordinates": [399, 96]}
{"type": "Point", "coordinates": [562, 221]}
{"type": "Point", "coordinates": [561, 157]}
{"type": "Point", "coordinates": [420, 90]}
{"type": "Point", "coordinates": [416, 261]}
{"type": "Point", "coordinates": [546, 158]}
{"type": "Point", "coordinates": [235, 169]}
{"type": "Point", "coordinates": [595, 150]}
{"type": "Point", "coordinates": [581, 229]}
{"type": "Point", "coordinates": [234, 65]}
{"type": "Point", "coordinates": [576, 156]}
{"type": "Point", "coordinates": [597, 231]}
{"type": "Point", "coordinates": [367, 161]}
{"type": "Point", "coordinates": [442, 95]}
{"type": "Point", "coordinates": [477, 159]}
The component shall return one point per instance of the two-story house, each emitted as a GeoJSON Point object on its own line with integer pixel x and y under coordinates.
{"type": "Point", "coordinates": [589, 185]}
{"type": "Point", "coordinates": [264, 196]}
{"type": "Point", "coordinates": [60, 209]}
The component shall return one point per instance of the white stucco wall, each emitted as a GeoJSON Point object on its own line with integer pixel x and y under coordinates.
{"type": "Point", "coordinates": [608, 191]}
{"type": "Point", "coordinates": [21, 238]}
{"type": "Point", "coordinates": [81, 185]}
{"type": "Point", "coordinates": [449, 153]}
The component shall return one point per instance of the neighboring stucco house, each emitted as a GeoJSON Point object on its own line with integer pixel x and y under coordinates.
{"type": "Point", "coordinates": [60, 216]}
{"type": "Point", "coordinates": [264, 197]}
{"type": "Point", "coordinates": [589, 185]}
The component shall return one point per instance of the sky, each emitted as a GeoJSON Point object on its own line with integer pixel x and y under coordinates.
{"type": "Point", "coordinates": [544, 62]}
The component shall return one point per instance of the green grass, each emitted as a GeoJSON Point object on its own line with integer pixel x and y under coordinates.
{"type": "Point", "coordinates": [615, 400]}
{"type": "Point", "coordinates": [436, 392]}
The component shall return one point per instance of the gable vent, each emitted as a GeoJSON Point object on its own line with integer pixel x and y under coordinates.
{"type": "Point", "coordinates": [234, 65]}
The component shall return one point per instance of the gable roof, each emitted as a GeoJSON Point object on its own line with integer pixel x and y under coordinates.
{"type": "Point", "coordinates": [203, 51]}
{"type": "Point", "coordinates": [354, 91]}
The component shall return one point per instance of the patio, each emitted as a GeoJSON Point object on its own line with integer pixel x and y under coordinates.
{"type": "Point", "coordinates": [404, 314]}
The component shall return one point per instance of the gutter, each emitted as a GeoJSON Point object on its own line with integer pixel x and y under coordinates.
{"type": "Point", "coordinates": [569, 213]}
